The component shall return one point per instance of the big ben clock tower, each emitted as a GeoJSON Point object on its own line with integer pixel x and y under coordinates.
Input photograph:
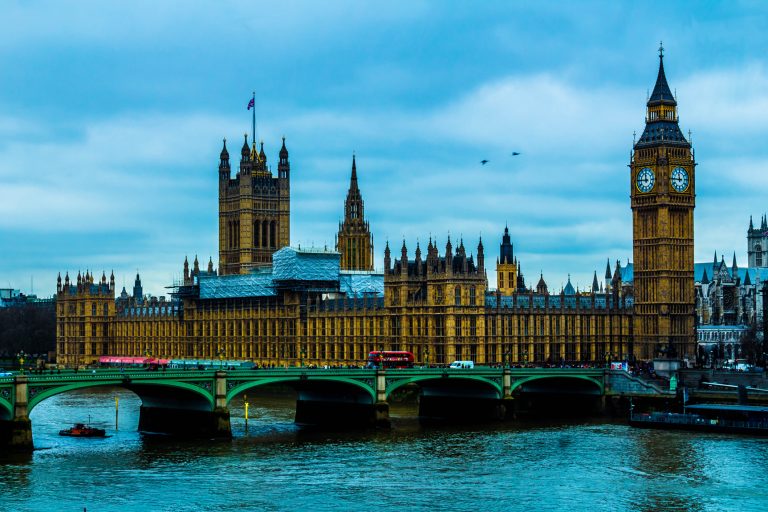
{"type": "Point", "coordinates": [663, 196]}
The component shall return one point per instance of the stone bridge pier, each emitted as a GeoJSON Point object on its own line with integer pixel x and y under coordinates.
{"type": "Point", "coordinates": [16, 432]}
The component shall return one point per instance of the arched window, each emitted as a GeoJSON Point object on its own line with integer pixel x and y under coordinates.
{"type": "Point", "coordinates": [93, 309]}
{"type": "Point", "coordinates": [758, 256]}
{"type": "Point", "coordinates": [272, 234]}
{"type": "Point", "coordinates": [472, 297]}
{"type": "Point", "coordinates": [458, 296]}
{"type": "Point", "coordinates": [106, 309]}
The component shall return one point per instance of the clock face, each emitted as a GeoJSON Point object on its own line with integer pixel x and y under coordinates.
{"type": "Point", "coordinates": [645, 179]}
{"type": "Point", "coordinates": [679, 179]}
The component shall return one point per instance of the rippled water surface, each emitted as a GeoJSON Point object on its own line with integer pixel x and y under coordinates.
{"type": "Point", "coordinates": [277, 466]}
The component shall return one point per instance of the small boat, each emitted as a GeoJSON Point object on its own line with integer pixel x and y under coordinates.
{"type": "Point", "coordinates": [731, 419]}
{"type": "Point", "coordinates": [83, 430]}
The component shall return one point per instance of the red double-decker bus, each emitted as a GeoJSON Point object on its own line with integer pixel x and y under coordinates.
{"type": "Point", "coordinates": [390, 359]}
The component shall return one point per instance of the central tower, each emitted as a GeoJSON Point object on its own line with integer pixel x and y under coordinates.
{"type": "Point", "coordinates": [254, 210]}
{"type": "Point", "coordinates": [354, 241]}
{"type": "Point", "coordinates": [662, 182]}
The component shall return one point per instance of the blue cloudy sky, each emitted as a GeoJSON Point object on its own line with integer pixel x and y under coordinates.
{"type": "Point", "coordinates": [112, 116]}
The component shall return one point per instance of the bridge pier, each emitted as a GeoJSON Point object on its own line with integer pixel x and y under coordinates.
{"type": "Point", "coordinates": [188, 421]}
{"type": "Point", "coordinates": [16, 434]}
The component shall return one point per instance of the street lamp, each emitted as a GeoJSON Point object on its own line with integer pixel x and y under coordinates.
{"type": "Point", "coordinates": [426, 356]}
{"type": "Point", "coordinates": [525, 356]}
{"type": "Point", "coordinates": [303, 354]}
{"type": "Point", "coordinates": [507, 358]}
{"type": "Point", "coordinates": [21, 356]}
{"type": "Point", "coordinates": [220, 355]}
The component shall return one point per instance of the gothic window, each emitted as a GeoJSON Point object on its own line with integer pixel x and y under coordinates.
{"type": "Point", "coordinates": [472, 297]}
{"type": "Point", "coordinates": [106, 309]}
{"type": "Point", "coordinates": [264, 232]}
{"type": "Point", "coordinates": [501, 280]}
{"type": "Point", "coordinates": [438, 295]}
{"type": "Point", "coordinates": [758, 256]}
{"type": "Point", "coordinates": [93, 309]}
{"type": "Point", "coordinates": [457, 300]}
{"type": "Point", "coordinates": [272, 230]}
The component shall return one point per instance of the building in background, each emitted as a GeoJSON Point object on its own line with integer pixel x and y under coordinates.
{"type": "Point", "coordinates": [278, 305]}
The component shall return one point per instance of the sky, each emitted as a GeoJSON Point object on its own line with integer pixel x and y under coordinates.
{"type": "Point", "coordinates": [112, 116]}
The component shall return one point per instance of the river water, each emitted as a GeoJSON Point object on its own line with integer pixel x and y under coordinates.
{"type": "Point", "coordinates": [275, 465]}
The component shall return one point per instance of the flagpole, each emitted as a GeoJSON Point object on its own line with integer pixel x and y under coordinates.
{"type": "Point", "coordinates": [253, 133]}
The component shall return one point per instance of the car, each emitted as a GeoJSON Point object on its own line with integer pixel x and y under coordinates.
{"type": "Point", "coordinates": [465, 365]}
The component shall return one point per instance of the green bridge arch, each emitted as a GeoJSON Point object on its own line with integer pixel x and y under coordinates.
{"type": "Point", "coordinates": [597, 382]}
{"type": "Point", "coordinates": [241, 386]}
{"type": "Point", "coordinates": [130, 385]}
{"type": "Point", "coordinates": [394, 384]}
{"type": "Point", "coordinates": [6, 406]}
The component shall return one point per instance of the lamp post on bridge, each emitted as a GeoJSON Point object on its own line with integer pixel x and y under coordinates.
{"type": "Point", "coordinates": [220, 355]}
{"type": "Point", "coordinates": [303, 355]}
{"type": "Point", "coordinates": [21, 356]}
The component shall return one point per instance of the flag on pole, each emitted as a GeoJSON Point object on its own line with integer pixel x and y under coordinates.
{"type": "Point", "coordinates": [251, 104]}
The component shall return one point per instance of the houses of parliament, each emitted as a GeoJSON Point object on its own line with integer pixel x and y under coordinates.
{"type": "Point", "coordinates": [274, 304]}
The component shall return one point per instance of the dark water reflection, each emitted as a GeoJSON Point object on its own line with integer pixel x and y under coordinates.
{"type": "Point", "coordinates": [277, 466]}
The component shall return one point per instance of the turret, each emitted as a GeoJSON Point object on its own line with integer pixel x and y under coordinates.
{"type": "Point", "coordinates": [112, 280]}
{"type": "Point", "coordinates": [418, 259]}
{"type": "Point", "coordinates": [387, 259]}
{"type": "Point", "coordinates": [245, 152]}
{"type": "Point", "coordinates": [283, 166]}
{"type": "Point", "coordinates": [595, 285]}
{"type": "Point", "coordinates": [404, 260]}
{"type": "Point", "coordinates": [449, 255]}
{"type": "Point", "coordinates": [480, 257]}
{"type": "Point", "coordinates": [210, 265]}
{"type": "Point", "coordinates": [186, 269]}
{"type": "Point", "coordinates": [541, 286]}
{"type": "Point", "coordinates": [58, 283]}
{"type": "Point", "coordinates": [138, 291]}
{"type": "Point", "coordinates": [224, 168]}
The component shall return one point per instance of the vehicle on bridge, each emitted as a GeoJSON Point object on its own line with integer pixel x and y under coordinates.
{"type": "Point", "coordinates": [390, 359]}
{"type": "Point", "coordinates": [465, 365]}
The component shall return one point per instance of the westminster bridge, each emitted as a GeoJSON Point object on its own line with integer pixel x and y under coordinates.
{"type": "Point", "coordinates": [195, 402]}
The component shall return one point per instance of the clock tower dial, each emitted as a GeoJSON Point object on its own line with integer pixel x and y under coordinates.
{"type": "Point", "coordinates": [679, 179]}
{"type": "Point", "coordinates": [645, 180]}
{"type": "Point", "coordinates": [663, 199]}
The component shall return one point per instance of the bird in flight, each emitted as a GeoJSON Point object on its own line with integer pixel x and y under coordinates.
{"type": "Point", "coordinates": [515, 153]}
{"type": "Point", "coordinates": [484, 161]}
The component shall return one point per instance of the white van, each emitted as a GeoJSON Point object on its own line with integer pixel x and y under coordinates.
{"type": "Point", "coordinates": [466, 365]}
